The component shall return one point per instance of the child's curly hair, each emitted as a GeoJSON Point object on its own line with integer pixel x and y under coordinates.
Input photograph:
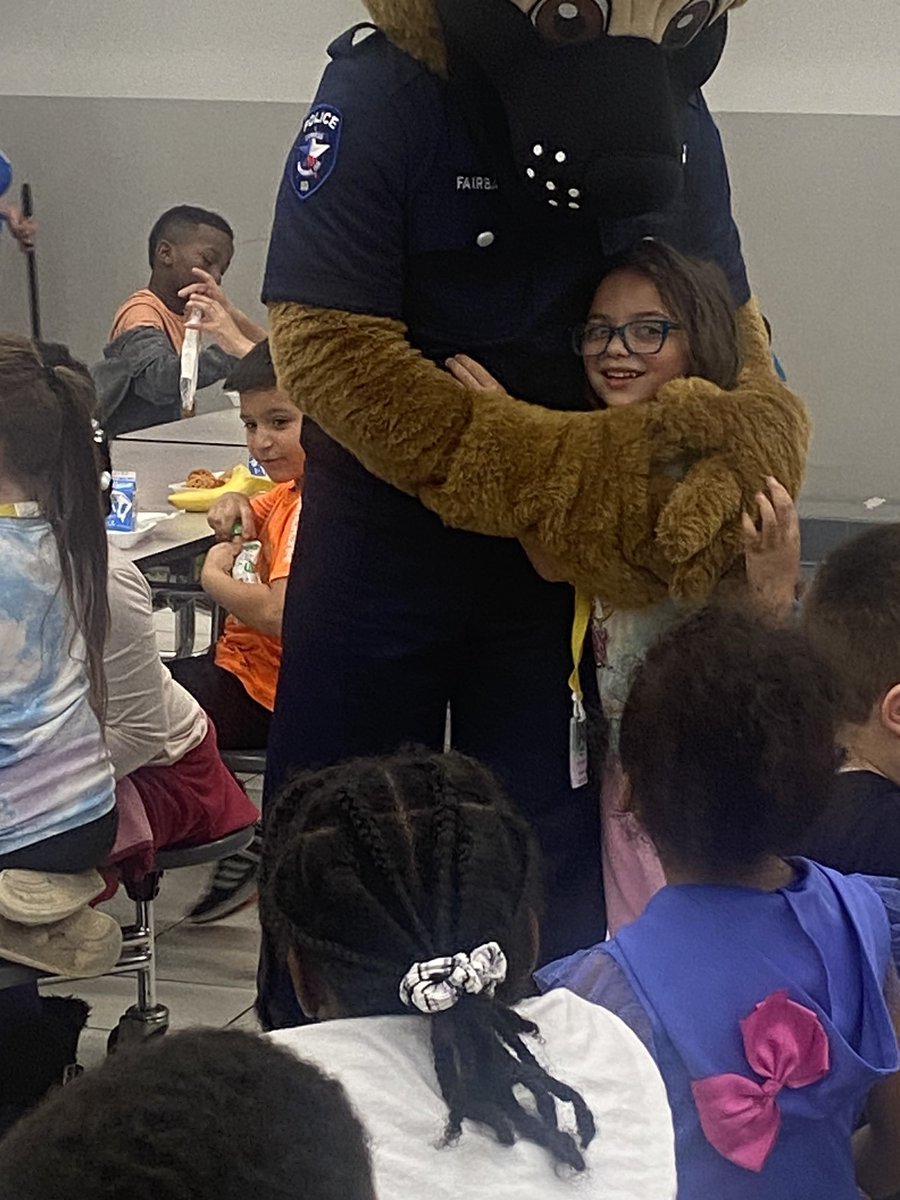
{"type": "Point", "coordinates": [213, 1112]}
{"type": "Point", "coordinates": [728, 740]}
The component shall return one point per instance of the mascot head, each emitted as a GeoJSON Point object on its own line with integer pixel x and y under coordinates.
{"type": "Point", "coordinates": [580, 103]}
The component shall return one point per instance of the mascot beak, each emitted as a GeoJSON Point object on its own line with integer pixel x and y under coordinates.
{"type": "Point", "coordinates": [575, 121]}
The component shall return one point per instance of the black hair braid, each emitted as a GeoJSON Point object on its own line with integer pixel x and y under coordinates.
{"type": "Point", "coordinates": [445, 863]}
{"type": "Point", "coordinates": [287, 889]}
{"type": "Point", "coordinates": [478, 1050]}
{"type": "Point", "coordinates": [480, 1059]}
{"type": "Point", "coordinates": [367, 835]}
{"type": "Point", "coordinates": [376, 864]}
{"type": "Point", "coordinates": [334, 950]}
{"type": "Point", "coordinates": [534, 1073]}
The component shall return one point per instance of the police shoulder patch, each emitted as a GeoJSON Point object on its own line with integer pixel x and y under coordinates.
{"type": "Point", "coordinates": [316, 150]}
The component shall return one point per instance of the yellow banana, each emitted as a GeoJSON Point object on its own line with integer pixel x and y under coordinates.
{"type": "Point", "coordinates": [240, 480]}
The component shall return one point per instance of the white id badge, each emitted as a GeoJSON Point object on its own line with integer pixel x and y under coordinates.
{"type": "Point", "coordinates": [578, 747]}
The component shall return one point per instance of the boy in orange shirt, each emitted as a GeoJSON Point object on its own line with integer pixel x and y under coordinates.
{"type": "Point", "coordinates": [235, 682]}
{"type": "Point", "coordinates": [190, 250]}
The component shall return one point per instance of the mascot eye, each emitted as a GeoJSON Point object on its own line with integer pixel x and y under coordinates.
{"type": "Point", "coordinates": [568, 22]}
{"type": "Point", "coordinates": [687, 23]}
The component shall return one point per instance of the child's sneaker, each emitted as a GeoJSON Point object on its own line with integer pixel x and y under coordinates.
{"type": "Point", "coordinates": [234, 885]}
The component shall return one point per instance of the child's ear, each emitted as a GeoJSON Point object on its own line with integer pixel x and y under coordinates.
{"type": "Point", "coordinates": [890, 711]}
{"type": "Point", "coordinates": [164, 253]}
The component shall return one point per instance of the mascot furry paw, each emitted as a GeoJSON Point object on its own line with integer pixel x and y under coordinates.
{"type": "Point", "coordinates": [466, 172]}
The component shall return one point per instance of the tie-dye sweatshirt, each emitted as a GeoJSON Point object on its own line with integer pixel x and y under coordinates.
{"type": "Point", "coordinates": [54, 770]}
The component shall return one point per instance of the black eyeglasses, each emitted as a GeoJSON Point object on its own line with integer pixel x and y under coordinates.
{"type": "Point", "coordinates": [638, 337]}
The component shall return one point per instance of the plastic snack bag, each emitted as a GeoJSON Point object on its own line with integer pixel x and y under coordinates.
{"type": "Point", "coordinates": [244, 569]}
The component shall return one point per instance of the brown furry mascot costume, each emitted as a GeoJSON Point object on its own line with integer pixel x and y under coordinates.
{"type": "Point", "coordinates": [465, 172]}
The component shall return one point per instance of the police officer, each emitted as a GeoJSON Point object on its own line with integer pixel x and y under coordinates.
{"type": "Point", "coordinates": [476, 210]}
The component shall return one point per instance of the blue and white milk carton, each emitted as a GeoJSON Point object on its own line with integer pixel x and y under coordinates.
{"type": "Point", "coordinates": [123, 501]}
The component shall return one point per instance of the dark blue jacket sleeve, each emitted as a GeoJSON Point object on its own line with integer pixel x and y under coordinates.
{"type": "Point", "coordinates": [710, 228]}
{"type": "Point", "coordinates": [338, 234]}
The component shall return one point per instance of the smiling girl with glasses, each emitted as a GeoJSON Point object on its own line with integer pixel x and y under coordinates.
{"type": "Point", "coordinates": [657, 315]}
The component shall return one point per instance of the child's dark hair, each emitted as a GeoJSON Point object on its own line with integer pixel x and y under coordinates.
{"type": "Point", "coordinates": [728, 740]}
{"type": "Point", "coordinates": [374, 865]}
{"type": "Point", "coordinates": [177, 221]}
{"type": "Point", "coordinates": [46, 445]}
{"type": "Point", "coordinates": [697, 295]}
{"type": "Point", "coordinates": [204, 1113]}
{"type": "Point", "coordinates": [851, 614]}
{"type": "Point", "coordinates": [254, 372]}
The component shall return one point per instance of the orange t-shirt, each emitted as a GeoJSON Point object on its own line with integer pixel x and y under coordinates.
{"type": "Point", "coordinates": [254, 657]}
{"type": "Point", "coordinates": [145, 308]}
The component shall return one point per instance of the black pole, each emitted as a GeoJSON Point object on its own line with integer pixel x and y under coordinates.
{"type": "Point", "coordinates": [31, 257]}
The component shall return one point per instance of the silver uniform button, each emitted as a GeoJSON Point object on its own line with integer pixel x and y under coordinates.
{"type": "Point", "coordinates": [485, 239]}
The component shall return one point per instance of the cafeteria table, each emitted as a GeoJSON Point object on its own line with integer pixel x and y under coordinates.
{"type": "Point", "coordinates": [220, 428]}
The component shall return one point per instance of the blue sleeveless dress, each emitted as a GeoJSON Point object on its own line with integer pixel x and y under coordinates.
{"type": "Point", "coordinates": [699, 961]}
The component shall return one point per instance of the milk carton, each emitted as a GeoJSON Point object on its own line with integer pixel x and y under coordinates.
{"type": "Point", "coordinates": [123, 502]}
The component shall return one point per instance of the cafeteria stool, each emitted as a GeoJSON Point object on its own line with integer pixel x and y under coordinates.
{"type": "Point", "coordinates": [244, 762]}
{"type": "Point", "coordinates": [147, 1018]}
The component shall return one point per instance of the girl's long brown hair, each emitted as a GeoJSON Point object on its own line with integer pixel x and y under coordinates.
{"type": "Point", "coordinates": [47, 446]}
{"type": "Point", "coordinates": [696, 293]}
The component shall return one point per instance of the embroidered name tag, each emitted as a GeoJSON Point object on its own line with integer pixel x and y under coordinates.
{"type": "Point", "coordinates": [316, 152]}
{"type": "Point", "coordinates": [476, 183]}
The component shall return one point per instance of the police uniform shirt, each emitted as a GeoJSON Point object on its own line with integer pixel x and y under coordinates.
{"type": "Point", "coordinates": [386, 208]}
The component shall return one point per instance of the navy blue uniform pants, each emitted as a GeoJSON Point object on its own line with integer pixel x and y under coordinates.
{"type": "Point", "coordinates": [389, 616]}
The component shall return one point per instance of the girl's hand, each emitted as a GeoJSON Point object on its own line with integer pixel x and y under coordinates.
{"type": "Point", "coordinates": [471, 374]}
{"type": "Point", "coordinates": [772, 551]}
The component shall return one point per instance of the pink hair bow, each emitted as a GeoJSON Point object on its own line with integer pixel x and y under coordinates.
{"type": "Point", "coordinates": [787, 1046]}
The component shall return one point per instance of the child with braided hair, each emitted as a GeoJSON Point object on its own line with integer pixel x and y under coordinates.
{"type": "Point", "coordinates": [405, 894]}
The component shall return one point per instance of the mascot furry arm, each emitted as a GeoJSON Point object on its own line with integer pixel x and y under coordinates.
{"type": "Point", "coordinates": [579, 484]}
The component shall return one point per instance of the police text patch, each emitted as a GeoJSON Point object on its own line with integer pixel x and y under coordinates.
{"type": "Point", "coordinates": [316, 151]}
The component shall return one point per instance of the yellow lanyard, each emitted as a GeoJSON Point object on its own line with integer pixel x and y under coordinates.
{"type": "Point", "coordinates": [20, 508]}
{"type": "Point", "coordinates": [578, 746]}
{"type": "Point", "coordinates": [580, 624]}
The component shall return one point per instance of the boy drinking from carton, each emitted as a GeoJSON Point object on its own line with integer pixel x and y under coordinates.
{"type": "Point", "coordinates": [246, 573]}
{"type": "Point", "coordinates": [138, 382]}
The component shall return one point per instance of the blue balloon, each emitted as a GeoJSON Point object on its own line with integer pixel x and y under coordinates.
{"type": "Point", "coordinates": [6, 173]}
